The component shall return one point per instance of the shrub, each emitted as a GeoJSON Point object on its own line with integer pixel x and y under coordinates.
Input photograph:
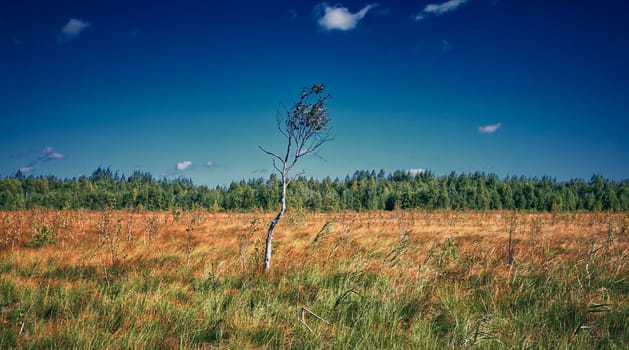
{"type": "Point", "coordinates": [43, 237]}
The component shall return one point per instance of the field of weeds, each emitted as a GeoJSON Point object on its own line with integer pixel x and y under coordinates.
{"type": "Point", "coordinates": [415, 280]}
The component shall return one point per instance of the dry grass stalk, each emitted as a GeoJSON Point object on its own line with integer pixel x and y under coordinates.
{"type": "Point", "coordinates": [301, 317]}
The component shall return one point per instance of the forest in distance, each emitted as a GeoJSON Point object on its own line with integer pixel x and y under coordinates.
{"type": "Point", "coordinates": [364, 190]}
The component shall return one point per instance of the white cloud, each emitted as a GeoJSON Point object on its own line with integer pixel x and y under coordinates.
{"type": "Point", "coordinates": [416, 171]}
{"type": "Point", "coordinates": [417, 17]}
{"type": "Point", "coordinates": [72, 29]}
{"type": "Point", "coordinates": [183, 165]}
{"type": "Point", "coordinates": [49, 154]}
{"type": "Point", "coordinates": [339, 18]}
{"type": "Point", "coordinates": [489, 129]}
{"type": "Point", "coordinates": [444, 7]}
{"type": "Point", "coordinates": [209, 164]}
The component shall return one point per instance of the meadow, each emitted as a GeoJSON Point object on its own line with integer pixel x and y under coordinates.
{"type": "Point", "coordinates": [345, 280]}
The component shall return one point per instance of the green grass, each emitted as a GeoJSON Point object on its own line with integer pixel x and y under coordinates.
{"type": "Point", "coordinates": [137, 310]}
{"type": "Point", "coordinates": [457, 298]}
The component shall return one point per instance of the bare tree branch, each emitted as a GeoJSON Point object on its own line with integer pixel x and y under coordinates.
{"type": "Point", "coordinates": [271, 153]}
{"type": "Point", "coordinates": [276, 168]}
{"type": "Point", "coordinates": [279, 120]}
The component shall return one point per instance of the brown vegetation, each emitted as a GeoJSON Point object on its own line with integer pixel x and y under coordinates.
{"type": "Point", "coordinates": [410, 249]}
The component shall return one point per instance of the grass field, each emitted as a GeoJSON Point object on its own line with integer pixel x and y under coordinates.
{"type": "Point", "coordinates": [409, 280]}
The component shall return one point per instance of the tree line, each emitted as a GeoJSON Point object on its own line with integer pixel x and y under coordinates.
{"type": "Point", "coordinates": [364, 190]}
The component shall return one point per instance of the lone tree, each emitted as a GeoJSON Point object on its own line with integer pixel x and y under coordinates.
{"type": "Point", "coordinates": [305, 127]}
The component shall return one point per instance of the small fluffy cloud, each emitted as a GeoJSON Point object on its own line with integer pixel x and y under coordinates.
{"type": "Point", "coordinates": [183, 165]}
{"type": "Point", "coordinates": [416, 171]}
{"type": "Point", "coordinates": [489, 129]}
{"type": "Point", "coordinates": [209, 164]}
{"type": "Point", "coordinates": [437, 9]}
{"type": "Point", "coordinates": [339, 18]}
{"type": "Point", "coordinates": [49, 154]}
{"type": "Point", "coordinates": [72, 29]}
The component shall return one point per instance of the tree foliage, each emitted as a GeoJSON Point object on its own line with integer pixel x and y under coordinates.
{"type": "Point", "coordinates": [305, 127]}
{"type": "Point", "coordinates": [364, 190]}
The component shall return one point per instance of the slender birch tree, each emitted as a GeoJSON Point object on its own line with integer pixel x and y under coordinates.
{"type": "Point", "coordinates": [305, 127]}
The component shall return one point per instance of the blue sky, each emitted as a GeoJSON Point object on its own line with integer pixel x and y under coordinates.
{"type": "Point", "coordinates": [191, 88]}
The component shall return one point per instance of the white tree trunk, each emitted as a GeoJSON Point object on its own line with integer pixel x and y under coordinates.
{"type": "Point", "coordinates": [269, 236]}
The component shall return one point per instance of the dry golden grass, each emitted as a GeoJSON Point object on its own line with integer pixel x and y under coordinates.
{"type": "Point", "coordinates": [178, 250]}
{"type": "Point", "coordinates": [217, 240]}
